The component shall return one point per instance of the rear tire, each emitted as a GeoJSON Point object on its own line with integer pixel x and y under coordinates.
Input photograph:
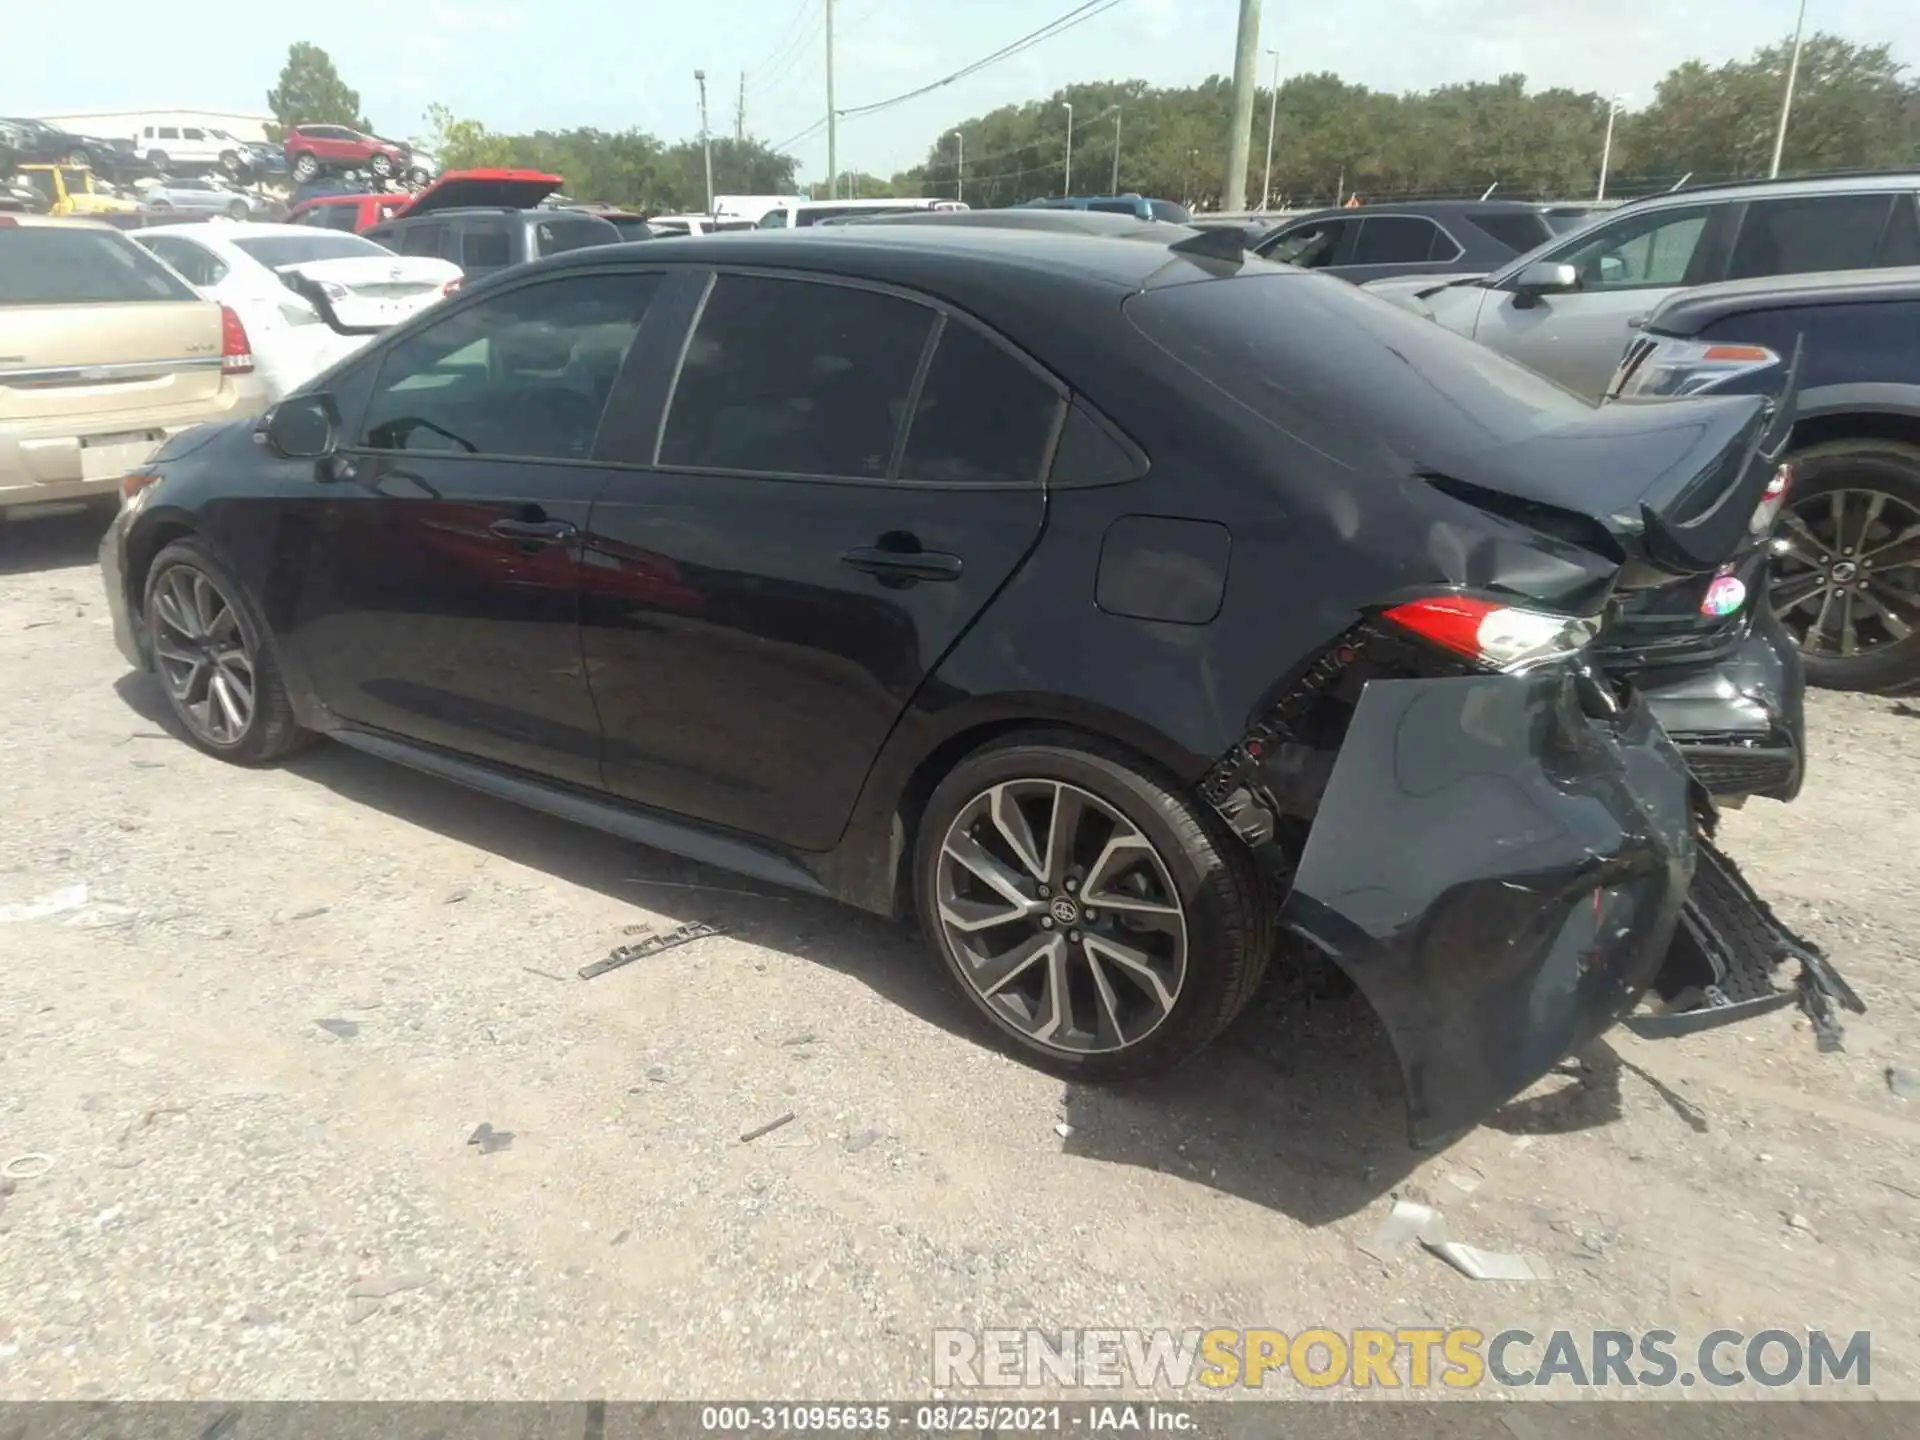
{"type": "Point", "coordinates": [215, 658]}
{"type": "Point", "coordinates": [158, 159]}
{"type": "Point", "coordinates": [1155, 919]}
{"type": "Point", "coordinates": [238, 210]}
{"type": "Point", "coordinates": [1859, 481]}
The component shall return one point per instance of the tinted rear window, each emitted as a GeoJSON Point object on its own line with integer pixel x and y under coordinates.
{"type": "Point", "coordinates": [74, 265]}
{"type": "Point", "coordinates": [1517, 230]}
{"type": "Point", "coordinates": [1334, 366]}
{"type": "Point", "coordinates": [1168, 211]}
{"type": "Point", "coordinates": [274, 251]}
{"type": "Point", "coordinates": [553, 236]}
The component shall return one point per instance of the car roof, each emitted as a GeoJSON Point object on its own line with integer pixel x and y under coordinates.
{"type": "Point", "coordinates": [16, 219]}
{"type": "Point", "coordinates": [1692, 310]}
{"type": "Point", "coordinates": [922, 255]}
{"type": "Point", "coordinates": [239, 229]}
{"type": "Point", "coordinates": [1864, 183]}
{"type": "Point", "coordinates": [1468, 208]}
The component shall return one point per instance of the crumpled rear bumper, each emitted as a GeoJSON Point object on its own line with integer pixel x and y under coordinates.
{"type": "Point", "coordinates": [1500, 874]}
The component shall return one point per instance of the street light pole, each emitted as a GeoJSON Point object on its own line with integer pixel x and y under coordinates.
{"type": "Point", "coordinates": [959, 166]}
{"type": "Point", "coordinates": [1273, 110]}
{"type": "Point", "coordinates": [706, 136]}
{"type": "Point", "coordinates": [1606, 149]}
{"type": "Point", "coordinates": [833, 135]}
{"type": "Point", "coordinates": [1246, 62]}
{"type": "Point", "coordinates": [1067, 187]}
{"type": "Point", "coordinates": [1116, 151]}
{"type": "Point", "coordinates": [1786, 103]}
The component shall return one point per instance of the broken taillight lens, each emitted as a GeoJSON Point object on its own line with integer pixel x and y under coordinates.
{"type": "Point", "coordinates": [1771, 499]}
{"type": "Point", "coordinates": [1507, 638]}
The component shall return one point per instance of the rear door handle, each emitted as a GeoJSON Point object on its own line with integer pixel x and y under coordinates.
{"type": "Point", "coordinates": [904, 564]}
{"type": "Point", "coordinates": [542, 531]}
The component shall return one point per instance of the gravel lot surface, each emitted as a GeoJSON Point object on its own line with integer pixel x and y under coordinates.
{"type": "Point", "coordinates": [255, 1058]}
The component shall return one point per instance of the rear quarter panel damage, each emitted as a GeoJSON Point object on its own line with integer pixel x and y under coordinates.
{"type": "Point", "coordinates": [1499, 874]}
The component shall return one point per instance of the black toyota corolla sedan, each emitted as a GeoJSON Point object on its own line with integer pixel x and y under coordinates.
{"type": "Point", "coordinates": [1123, 606]}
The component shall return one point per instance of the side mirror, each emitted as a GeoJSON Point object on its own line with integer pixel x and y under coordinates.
{"type": "Point", "coordinates": [1545, 277]}
{"type": "Point", "coordinates": [303, 427]}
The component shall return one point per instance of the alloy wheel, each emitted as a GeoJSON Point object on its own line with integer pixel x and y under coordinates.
{"type": "Point", "coordinates": [202, 654]}
{"type": "Point", "coordinates": [1846, 578]}
{"type": "Point", "coordinates": [1062, 916]}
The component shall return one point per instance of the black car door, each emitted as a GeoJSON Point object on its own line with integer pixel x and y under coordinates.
{"type": "Point", "coordinates": [843, 478]}
{"type": "Point", "coordinates": [439, 585]}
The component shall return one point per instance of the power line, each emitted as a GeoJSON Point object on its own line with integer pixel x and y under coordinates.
{"type": "Point", "coordinates": [794, 54]}
{"type": "Point", "coordinates": [814, 129]}
{"type": "Point", "coordinates": [786, 36]}
{"type": "Point", "coordinates": [1079, 15]}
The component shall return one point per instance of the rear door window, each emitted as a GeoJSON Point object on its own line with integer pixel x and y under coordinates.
{"type": "Point", "coordinates": [551, 237]}
{"type": "Point", "coordinates": [1808, 234]}
{"type": "Point", "coordinates": [1901, 246]}
{"type": "Point", "coordinates": [199, 265]}
{"type": "Point", "coordinates": [78, 265]}
{"type": "Point", "coordinates": [984, 417]}
{"type": "Point", "coordinates": [422, 239]}
{"type": "Point", "coordinates": [1517, 231]}
{"type": "Point", "coordinates": [485, 247]}
{"type": "Point", "coordinates": [793, 377]}
{"type": "Point", "coordinates": [526, 373]}
{"type": "Point", "coordinates": [1401, 240]}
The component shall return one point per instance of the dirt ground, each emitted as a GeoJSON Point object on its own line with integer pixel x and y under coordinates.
{"type": "Point", "coordinates": [255, 1058]}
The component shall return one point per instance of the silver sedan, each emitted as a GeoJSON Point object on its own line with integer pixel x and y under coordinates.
{"type": "Point", "coordinates": [201, 198]}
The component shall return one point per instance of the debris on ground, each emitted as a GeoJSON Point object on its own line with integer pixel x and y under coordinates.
{"type": "Point", "coordinates": [334, 1025]}
{"type": "Point", "coordinates": [544, 974]}
{"type": "Point", "coordinates": [856, 1143]}
{"type": "Point", "coordinates": [1064, 1131]}
{"type": "Point", "coordinates": [30, 1166]}
{"type": "Point", "coordinates": [805, 1037]}
{"type": "Point", "coordinates": [311, 912]}
{"type": "Point", "coordinates": [381, 1286]}
{"type": "Point", "coordinates": [1799, 1222]}
{"type": "Point", "coordinates": [1409, 1220]}
{"type": "Point", "coordinates": [58, 902]}
{"type": "Point", "coordinates": [1903, 1083]}
{"type": "Point", "coordinates": [489, 1139]}
{"type": "Point", "coordinates": [651, 945]}
{"type": "Point", "coordinates": [456, 895]}
{"type": "Point", "coordinates": [767, 1129]}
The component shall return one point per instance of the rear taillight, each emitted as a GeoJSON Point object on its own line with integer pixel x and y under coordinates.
{"type": "Point", "coordinates": [236, 351]}
{"type": "Point", "coordinates": [1507, 638]}
{"type": "Point", "coordinates": [1771, 499]}
{"type": "Point", "coordinates": [453, 285]}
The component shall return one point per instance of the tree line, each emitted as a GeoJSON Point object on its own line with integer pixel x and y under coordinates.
{"type": "Point", "coordinates": [1854, 109]}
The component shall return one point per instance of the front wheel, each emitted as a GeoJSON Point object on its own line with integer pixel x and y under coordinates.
{"type": "Point", "coordinates": [215, 658]}
{"type": "Point", "coordinates": [1846, 573]}
{"type": "Point", "coordinates": [158, 159]}
{"type": "Point", "coordinates": [237, 210]}
{"type": "Point", "coordinates": [381, 165]}
{"type": "Point", "coordinates": [305, 167]}
{"type": "Point", "coordinates": [1100, 923]}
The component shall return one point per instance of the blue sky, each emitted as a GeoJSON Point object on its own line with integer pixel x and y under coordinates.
{"type": "Point", "coordinates": [525, 64]}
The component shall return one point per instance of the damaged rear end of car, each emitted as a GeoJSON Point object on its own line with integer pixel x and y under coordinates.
{"type": "Point", "coordinates": [1467, 801]}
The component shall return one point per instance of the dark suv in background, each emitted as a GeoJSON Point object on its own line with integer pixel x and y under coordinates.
{"type": "Point", "coordinates": [1425, 237]}
{"type": "Point", "coordinates": [1846, 556]}
{"type": "Point", "coordinates": [487, 220]}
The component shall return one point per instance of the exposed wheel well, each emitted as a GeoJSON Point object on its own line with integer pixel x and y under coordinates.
{"type": "Point", "coordinates": [1857, 425]}
{"type": "Point", "coordinates": [140, 555]}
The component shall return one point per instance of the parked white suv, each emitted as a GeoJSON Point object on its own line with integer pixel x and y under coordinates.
{"type": "Point", "coordinates": [169, 147]}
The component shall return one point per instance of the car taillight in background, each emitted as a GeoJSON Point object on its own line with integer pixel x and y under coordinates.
{"type": "Point", "coordinates": [236, 351]}
{"type": "Point", "coordinates": [1658, 367]}
{"type": "Point", "coordinates": [453, 285]}
{"type": "Point", "coordinates": [1771, 499]}
{"type": "Point", "coordinates": [1507, 638]}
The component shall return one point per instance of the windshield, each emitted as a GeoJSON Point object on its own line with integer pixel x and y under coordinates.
{"type": "Point", "coordinates": [273, 251]}
{"type": "Point", "coordinates": [78, 265]}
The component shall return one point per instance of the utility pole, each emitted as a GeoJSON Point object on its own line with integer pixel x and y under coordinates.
{"type": "Point", "coordinates": [740, 112]}
{"type": "Point", "coordinates": [1066, 187]}
{"type": "Point", "coordinates": [1115, 190]}
{"type": "Point", "coordinates": [1246, 56]}
{"type": "Point", "coordinates": [833, 138]}
{"type": "Point", "coordinates": [706, 137]}
{"type": "Point", "coordinates": [1786, 104]}
{"type": "Point", "coordinates": [1606, 148]}
{"type": "Point", "coordinates": [1273, 111]}
{"type": "Point", "coordinates": [959, 166]}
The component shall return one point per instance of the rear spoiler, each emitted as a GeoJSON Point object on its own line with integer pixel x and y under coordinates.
{"type": "Point", "coordinates": [1667, 486]}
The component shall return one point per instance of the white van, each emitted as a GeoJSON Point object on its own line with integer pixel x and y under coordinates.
{"type": "Point", "coordinates": [812, 212]}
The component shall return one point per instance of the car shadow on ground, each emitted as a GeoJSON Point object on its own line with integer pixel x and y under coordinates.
{"type": "Point", "coordinates": [52, 543]}
{"type": "Point", "coordinates": [1296, 1108]}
